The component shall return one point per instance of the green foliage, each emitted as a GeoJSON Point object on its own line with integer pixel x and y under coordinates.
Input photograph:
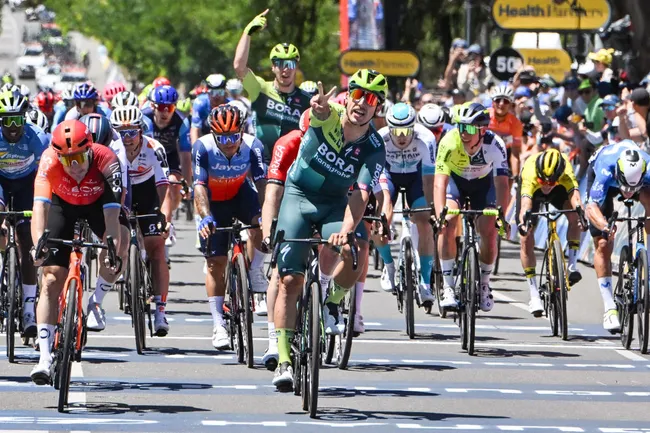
{"type": "Point", "coordinates": [188, 41]}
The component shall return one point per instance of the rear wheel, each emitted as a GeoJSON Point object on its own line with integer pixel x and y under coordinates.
{"type": "Point", "coordinates": [244, 311]}
{"type": "Point", "coordinates": [409, 288]}
{"type": "Point", "coordinates": [472, 279]}
{"type": "Point", "coordinates": [436, 279]}
{"type": "Point", "coordinates": [306, 349]}
{"type": "Point", "coordinates": [560, 290]}
{"type": "Point", "coordinates": [67, 344]}
{"type": "Point", "coordinates": [495, 271]}
{"type": "Point", "coordinates": [12, 302]}
{"type": "Point", "coordinates": [136, 292]}
{"type": "Point", "coordinates": [643, 300]}
{"type": "Point", "coordinates": [623, 296]}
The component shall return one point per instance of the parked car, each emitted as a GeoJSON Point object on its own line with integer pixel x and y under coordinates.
{"type": "Point", "coordinates": [48, 76]}
{"type": "Point", "coordinates": [31, 59]}
{"type": "Point", "coordinates": [70, 76]}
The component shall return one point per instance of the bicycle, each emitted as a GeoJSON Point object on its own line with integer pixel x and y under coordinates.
{"type": "Point", "coordinates": [516, 185]}
{"type": "Point", "coordinates": [187, 206]}
{"type": "Point", "coordinates": [553, 279]}
{"type": "Point", "coordinates": [631, 292]}
{"type": "Point", "coordinates": [308, 342]}
{"type": "Point", "coordinates": [11, 291]}
{"type": "Point", "coordinates": [468, 291]}
{"type": "Point", "coordinates": [70, 331]}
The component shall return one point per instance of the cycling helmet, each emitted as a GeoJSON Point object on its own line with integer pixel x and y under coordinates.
{"type": "Point", "coordinates": [216, 81]}
{"type": "Point", "coordinates": [45, 102]}
{"type": "Point", "coordinates": [6, 86]}
{"type": "Point", "coordinates": [225, 119]}
{"type": "Point", "coordinates": [384, 108]}
{"type": "Point", "coordinates": [84, 91]}
{"type": "Point", "coordinates": [38, 118]}
{"type": "Point", "coordinates": [125, 99]}
{"type": "Point", "coordinates": [67, 93]}
{"type": "Point", "coordinates": [630, 169]}
{"type": "Point", "coordinates": [502, 92]}
{"type": "Point", "coordinates": [23, 89]}
{"type": "Point", "coordinates": [164, 95]}
{"type": "Point", "coordinates": [100, 128]}
{"type": "Point", "coordinates": [285, 51]}
{"type": "Point", "coordinates": [473, 114]}
{"type": "Point", "coordinates": [401, 116]}
{"type": "Point", "coordinates": [550, 165]}
{"type": "Point", "coordinates": [431, 116]}
{"type": "Point", "coordinates": [12, 102]}
{"type": "Point", "coordinates": [243, 110]}
{"type": "Point", "coordinates": [309, 87]}
{"type": "Point", "coordinates": [371, 81]}
{"type": "Point", "coordinates": [70, 137]}
{"type": "Point", "coordinates": [184, 106]}
{"type": "Point", "coordinates": [234, 86]}
{"type": "Point", "coordinates": [113, 88]}
{"type": "Point", "coordinates": [125, 116]}
{"type": "Point", "coordinates": [7, 78]}
{"type": "Point", "coordinates": [161, 81]}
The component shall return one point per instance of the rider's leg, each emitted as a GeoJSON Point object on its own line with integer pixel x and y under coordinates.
{"type": "Point", "coordinates": [47, 310]}
{"type": "Point", "coordinates": [155, 247]}
{"type": "Point", "coordinates": [28, 278]}
{"type": "Point", "coordinates": [527, 250]}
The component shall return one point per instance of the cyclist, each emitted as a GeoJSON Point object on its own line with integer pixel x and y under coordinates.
{"type": "Point", "coordinates": [223, 161]}
{"type": "Point", "coordinates": [235, 89]}
{"type": "Point", "coordinates": [204, 103]}
{"type": "Point", "coordinates": [505, 124]}
{"type": "Point", "coordinates": [340, 149]}
{"type": "Point", "coordinates": [37, 118]}
{"type": "Point", "coordinates": [148, 177]}
{"type": "Point", "coordinates": [63, 106]}
{"type": "Point", "coordinates": [111, 89]}
{"type": "Point", "coordinates": [21, 147]}
{"type": "Point", "coordinates": [410, 156]}
{"type": "Point", "coordinates": [310, 87]}
{"type": "Point", "coordinates": [619, 168]}
{"type": "Point", "coordinates": [45, 103]}
{"type": "Point", "coordinates": [277, 104]}
{"type": "Point", "coordinates": [433, 118]}
{"type": "Point", "coordinates": [471, 163]}
{"type": "Point", "coordinates": [548, 177]}
{"type": "Point", "coordinates": [247, 119]}
{"type": "Point", "coordinates": [76, 179]}
{"type": "Point", "coordinates": [86, 101]}
{"type": "Point", "coordinates": [129, 99]}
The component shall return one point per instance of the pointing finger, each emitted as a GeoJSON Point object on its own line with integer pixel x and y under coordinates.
{"type": "Point", "coordinates": [265, 12]}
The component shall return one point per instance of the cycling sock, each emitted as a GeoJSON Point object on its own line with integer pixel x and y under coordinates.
{"type": "Point", "coordinates": [216, 309]}
{"type": "Point", "coordinates": [258, 259]}
{"type": "Point", "coordinates": [284, 345]}
{"type": "Point", "coordinates": [273, 337]}
{"type": "Point", "coordinates": [486, 271]}
{"type": "Point", "coordinates": [573, 254]}
{"type": "Point", "coordinates": [426, 264]}
{"type": "Point", "coordinates": [160, 304]}
{"type": "Point", "coordinates": [101, 289]}
{"type": "Point", "coordinates": [384, 253]}
{"type": "Point", "coordinates": [359, 286]}
{"type": "Point", "coordinates": [336, 294]}
{"type": "Point", "coordinates": [605, 285]}
{"type": "Point", "coordinates": [45, 337]}
{"type": "Point", "coordinates": [447, 272]}
{"type": "Point", "coordinates": [532, 284]}
{"type": "Point", "coordinates": [29, 298]}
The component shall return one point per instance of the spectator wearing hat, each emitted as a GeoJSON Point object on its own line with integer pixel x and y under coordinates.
{"type": "Point", "coordinates": [590, 126]}
{"type": "Point", "coordinates": [456, 97]}
{"type": "Point", "coordinates": [570, 96]}
{"type": "Point", "coordinates": [635, 129]}
{"type": "Point", "coordinates": [594, 116]}
{"type": "Point", "coordinates": [473, 75]}
{"type": "Point", "coordinates": [457, 55]}
{"type": "Point", "coordinates": [602, 61]}
{"type": "Point", "coordinates": [610, 130]}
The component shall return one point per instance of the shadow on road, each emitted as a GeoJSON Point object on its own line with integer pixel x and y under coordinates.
{"type": "Point", "coordinates": [338, 392]}
{"type": "Point", "coordinates": [108, 408]}
{"type": "Point", "coordinates": [385, 368]}
{"type": "Point", "coordinates": [347, 414]}
{"type": "Point", "coordinates": [508, 353]}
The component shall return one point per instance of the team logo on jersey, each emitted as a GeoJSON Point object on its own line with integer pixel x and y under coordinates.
{"type": "Point", "coordinates": [279, 107]}
{"type": "Point", "coordinates": [376, 141]}
{"type": "Point", "coordinates": [478, 159]}
{"type": "Point", "coordinates": [332, 158]}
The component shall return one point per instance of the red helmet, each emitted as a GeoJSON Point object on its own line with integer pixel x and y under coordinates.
{"type": "Point", "coordinates": [70, 137]}
{"type": "Point", "coordinates": [113, 88]}
{"type": "Point", "coordinates": [225, 119]}
{"type": "Point", "coordinates": [161, 81]}
{"type": "Point", "coordinates": [45, 102]}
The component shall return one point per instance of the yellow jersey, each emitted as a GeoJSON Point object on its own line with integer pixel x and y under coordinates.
{"type": "Point", "coordinates": [530, 185]}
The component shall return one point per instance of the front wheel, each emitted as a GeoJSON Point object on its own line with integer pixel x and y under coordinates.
{"type": "Point", "coordinates": [437, 280]}
{"type": "Point", "coordinates": [409, 288]}
{"type": "Point", "coordinates": [136, 292]}
{"type": "Point", "coordinates": [472, 283]}
{"type": "Point", "coordinates": [643, 300]}
{"type": "Point", "coordinates": [244, 311]}
{"type": "Point", "coordinates": [623, 296]}
{"type": "Point", "coordinates": [315, 358]}
{"type": "Point", "coordinates": [560, 289]}
{"type": "Point", "coordinates": [12, 304]}
{"type": "Point", "coordinates": [67, 344]}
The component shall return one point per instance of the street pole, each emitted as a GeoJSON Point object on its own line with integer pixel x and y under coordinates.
{"type": "Point", "coordinates": [468, 21]}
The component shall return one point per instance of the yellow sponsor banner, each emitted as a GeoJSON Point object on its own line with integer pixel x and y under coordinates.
{"type": "Point", "coordinates": [554, 62]}
{"type": "Point", "coordinates": [551, 15]}
{"type": "Point", "coordinates": [390, 63]}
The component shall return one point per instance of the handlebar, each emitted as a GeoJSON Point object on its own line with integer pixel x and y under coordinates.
{"type": "Point", "coordinates": [185, 188]}
{"type": "Point", "coordinates": [24, 213]}
{"type": "Point", "coordinates": [76, 244]}
{"type": "Point", "coordinates": [490, 212]}
{"type": "Point", "coordinates": [410, 211]}
{"type": "Point", "coordinates": [385, 231]}
{"type": "Point", "coordinates": [552, 215]}
{"type": "Point", "coordinates": [280, 239]}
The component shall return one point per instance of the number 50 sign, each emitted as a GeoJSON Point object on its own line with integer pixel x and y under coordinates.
{"type": "Point", "coordinates": [505, 62]}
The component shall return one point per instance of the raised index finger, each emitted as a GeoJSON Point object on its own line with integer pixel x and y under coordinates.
{"type": "Point", "coordinates": [265, 12]}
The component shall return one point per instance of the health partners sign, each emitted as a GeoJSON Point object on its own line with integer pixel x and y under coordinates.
{"type": "Point", "coordinates": [390, 63]}
{"type": "Point", "coordinates": [551, 15]}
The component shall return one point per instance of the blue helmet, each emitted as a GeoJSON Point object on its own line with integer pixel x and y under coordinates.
{"type": "Point", "coordinates": [164, 95]}
{"type": "Point", "coordinates": [84, 91]}
{"type": "Point", "coordinates": [99, 127]}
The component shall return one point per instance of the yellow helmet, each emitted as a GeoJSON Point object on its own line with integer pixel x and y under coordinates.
{"type": "Point", "coordinates": [550, 165]}
{"type": "Point", "coordinates": [371, 81]}
{"type": "Point", "coordinates": [285, 51]}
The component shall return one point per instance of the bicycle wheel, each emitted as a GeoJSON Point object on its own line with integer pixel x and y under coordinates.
{"type": "Point", "coordinates": [67, 344]}
{"type": "Point", "coordinates": [623, 296]}
{"type": "Point", "coordinates": [12, 302]}
{"type": "Point", "coordinates": [436, 279]}
{"type": "Point", "coordinates": [315, 353]}
{"type": "Point", "coordinates": [495, 271]}
{"type": "Point", "coordinates": [306, 351]}
{"type": "Point", "coordinates": [560, 290]}
{"type": "Point", "coordinates": [409, 288]}
{"type": "Point", "coordinates": [351, 300]}
{"type": "Point", "coordinates": [472, 280]}
{"type": "Point", "coordinates": [297, 349]}
{"type": "Point", "coordinates": [331, 348]}
{"type": "Point", "coordinates": [137, 299]}
{"type": "Point", "coordinates": [244, 311]}
{"type": "Point", "coordinates": [546, 280]}
{"type": "Point", "coordinates": [462, 302]}
{"type": "Point", "coordinates": [642, 299]}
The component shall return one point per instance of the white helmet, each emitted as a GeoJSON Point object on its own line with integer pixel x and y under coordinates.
{"type": "Point", "coordinates": [401, 116]}
{"type": "Point", "coordinates": [215, 81]}
{"type": "Point", "coordinates": [38, 118]}
{"type": "Point", "coordinates": [502, 91]}
{"type": "Point", "coordinates": [234, 86]}
{"type": "Point", "coordinates": [241, 107]}
{"type": "Point", "coordinates": [630, 169]}
{"type": "Point", "coordinates": [127, 116]}
{"type": "Point", "coordinates": [387, 105]}
{"type": "Point", "coordinates": [431, 116]}
{"type": "Point", "coordinates": [23, 89]}
{"type": "Point", "coordinates": [125, 99]}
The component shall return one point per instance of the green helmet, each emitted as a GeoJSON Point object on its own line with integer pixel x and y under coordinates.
{"type": "Point", "coordinates": [12, 102]}
{"type": "Point", "coordinates": [285, 51]}
{"type": "Point", "coordinates": [371, 81]}
{"type": "Point", "coordinates": [184, 105]}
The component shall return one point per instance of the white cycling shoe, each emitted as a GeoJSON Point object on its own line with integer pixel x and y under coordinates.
{"type": "Point", "coordinates": [387, 281]}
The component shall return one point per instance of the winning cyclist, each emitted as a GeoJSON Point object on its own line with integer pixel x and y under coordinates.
{"type": "Point", "coordinates": [86, 101]}
{"type": "Point", "coordinates": [548, 177]}
{"type": "Point", "coordinates": [505, 124]}
{"type": "Point", "coordinates": [471, 163]}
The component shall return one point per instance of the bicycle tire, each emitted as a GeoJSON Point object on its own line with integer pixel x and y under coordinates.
{"type": "Point", "coordinates": [297, 355]}
{"type": "Point", "coordinates": [409, 311]}
{"type": "Point", "coordinates": [305, 347]}
{"type": "Point", "coordinates": [349, 328]}
{"type": "Point", "coordinates": [473, 282]}
{"type": "Point", "coordinates": [245, 311]}
{"type": "Point", "coordinates": [12, 303]}
{"type": "Point", "coordinates": [623, 297]}
{"type": "Point", "coordinates": [137, 301]}
{"type": "Point", "coordinates": [643, 300]}
{"type": "Point", "coordinates": [546, 285]}
{"type": "Point", "coordinates": [315, 339]}
{"type": "Point", "coordinates": [495, 271]}
{"type": "Point", "coordinates": [331, 349]}
{"type": "Point", "coordinates": [67, 346]}
{"type": "Point", "coordinates": [436, 279]}
{"type": "Point", "coordinates": [561, 290]}
{"type": "Point", "coordinates": [120, 296]}
{"type": "Point", "coordinates": [462, 303]}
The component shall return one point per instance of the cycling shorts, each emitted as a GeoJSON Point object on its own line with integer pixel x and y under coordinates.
{"type": "Point", "coordinates": [145, 200]}
{"type": "Point", "coordinates": [557, 197]}
{"type": "Point", "coordinates": [411, 182]}
{"type": "Point", "coordinates": [18, 194]}
{"type": "Point", "coordinates": [481, 191]}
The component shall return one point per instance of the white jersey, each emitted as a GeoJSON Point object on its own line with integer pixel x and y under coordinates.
{"type": "Point", "coordinates": [420, 154]}
{"type": "Point", "coordinates": [151, 161]}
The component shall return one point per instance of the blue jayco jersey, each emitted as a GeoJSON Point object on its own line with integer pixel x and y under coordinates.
{"type": "Point", "coordinates": [603, 164]}
{"type": "Point", "coordinates": [20, 159]}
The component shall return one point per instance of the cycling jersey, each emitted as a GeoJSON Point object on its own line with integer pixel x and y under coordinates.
{"type": "Point", "coordinates": [327, 165]}
{"type": "Point", "coordinates": [453, 160]}
{"type": "Point", "coordinates": [104, 175]}
{"type": "Point", "coordinates": [285, 152]}
{"type": "Point", "coordinates": [530, 183]}
{"type": "Point", "coordinates": [21, 158]}
{"type": "Point", "coordinates": [276, 113]}
{"type": "Point", "coordinates": [175, 136]}
{"type": "Point", "coordinates": [224, 177]}
{"type": "Point", "coordinates": [59, 114]}
{"type": "Point", "coordinates": [510, 129]}
{"type": "Point", "coordinates": [150, 162]}
{"type": "Point", "coordinates": [418, 157]}
{"type": "Point", "coordinates": [201, 108]}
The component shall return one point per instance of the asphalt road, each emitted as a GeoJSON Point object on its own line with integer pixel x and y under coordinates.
{"type": "Point", "coordinates": [522, 379]}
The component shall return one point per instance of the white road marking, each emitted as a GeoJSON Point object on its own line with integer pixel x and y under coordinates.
{"type": "Point", "coordinates": [630, 355]}
{"type": "Point", "coordinates": [76, 399]}
{"type": "Point", "coordinates": [509, 300]}
{"type": "Point", "coordinates": [498, 390]}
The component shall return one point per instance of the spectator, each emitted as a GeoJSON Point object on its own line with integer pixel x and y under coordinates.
{"type": "Point", "coordinates": [570, 96]}
{"type": "Point", "coordinates": [602, 61]}
{"type": "Point", "coordinates": [457, 54]}
{"type": "Point", "coordinates": [594, 116]}
{"type": "Point", "coordinates": [455, 97]}
{"type": "Point", "coordinates": [610, 132]}
{"type": "Point", "coordinates": [636, 127]}
{"type": "Point", "coordinates": [473, 75]}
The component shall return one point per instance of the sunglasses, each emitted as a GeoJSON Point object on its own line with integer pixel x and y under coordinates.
{"type": "Point", "coordinates": [285, 64]}
{"type": "Point", "coordinates": [401, 132]}
{"type": "Point", "coordinates": [226, 139]}
{"type": "Point", "coordinates": [469, 129]}
{"type": "Point", "coordinates": [83, 103]}
{"type": "Point", "coordinates": [217, 92]}
{"type": "Point", "coordinates": [169, 108]}
{"type": "Point", "coordinates": [546, 182]}
{"type": "Point", "coordinates": [74, 159]}
{"type": "Point", "coordinates": [129, 133]}
{"type": "Point", "coordinates": [584, 91]}
{"type": "Point", "coordinates": [370, 98]}
{"type": "Point", "coordinates": [9, 121]}
{"type": "Point", "coordinates": [501, 101]}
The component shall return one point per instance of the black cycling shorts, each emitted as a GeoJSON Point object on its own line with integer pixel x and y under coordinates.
{"type": "Point", "coordinates": [145, 201]}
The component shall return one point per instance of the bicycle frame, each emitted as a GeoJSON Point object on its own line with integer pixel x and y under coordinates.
{"type": "Point", "coordinates": [74, 273]}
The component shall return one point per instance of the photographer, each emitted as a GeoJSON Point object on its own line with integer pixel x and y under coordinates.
{"type": "Point", "coordinates": [457, 55]}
